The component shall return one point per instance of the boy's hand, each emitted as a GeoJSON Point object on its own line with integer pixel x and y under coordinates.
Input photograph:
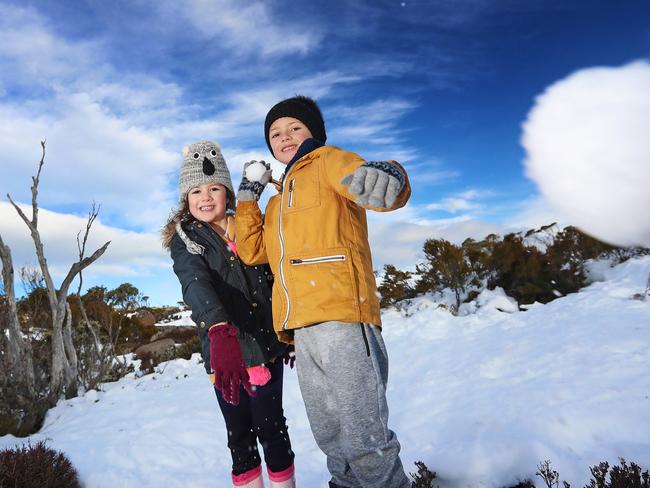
{"type": "Point", "coordinates": [250, 191]}
{"type": "Point", "coordinates": [376, 183]}
{"type": "Point", "coordinates": [290, 356]}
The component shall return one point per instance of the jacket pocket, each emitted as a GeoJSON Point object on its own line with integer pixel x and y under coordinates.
{"type": "Point", "coordinates": [302, 189]}
{"type": "Point", "coordinates": [322, 287]}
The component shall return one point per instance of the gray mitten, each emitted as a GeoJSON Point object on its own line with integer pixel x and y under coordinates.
{"type": "Point", "coordinates": [250, 191]}
{"type": "Point", "coordinates": [376, 183]}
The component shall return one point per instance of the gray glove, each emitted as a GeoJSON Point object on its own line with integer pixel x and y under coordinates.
{"type": "Point", "coordinates": [376, 183]}
{"type": "Point", "coordinates": [250, 191]}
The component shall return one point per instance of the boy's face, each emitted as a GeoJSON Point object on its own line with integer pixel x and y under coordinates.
{"type": "Point", "coordinates": [286, 135]}
{"type": "Point", "coordinates": [208, 202]}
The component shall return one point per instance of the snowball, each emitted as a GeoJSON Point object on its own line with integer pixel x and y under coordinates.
{"type": "Point", "coordinates": [588, 149]}
{"type": "Point", "coordinates": [255, 171]}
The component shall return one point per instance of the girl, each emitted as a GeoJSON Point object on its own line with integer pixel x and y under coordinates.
{"type": "Point", "coordinates": [231, 303]}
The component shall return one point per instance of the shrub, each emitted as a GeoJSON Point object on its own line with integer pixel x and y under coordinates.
{"type": "Point", "coordinates": [188, 348]}
{"type": "Point", "coordinates": [423, 478]}
{"type": "Point", "coordinates": [622, 476]}
{"type": "Point", "coordinates": [37, 465]}
{"type": "Point", "coordinates": [445, 266]}
{"type": "Point", "coordinates": [395, 286]}
{"type": "Point", "coordinates": [148, 362]}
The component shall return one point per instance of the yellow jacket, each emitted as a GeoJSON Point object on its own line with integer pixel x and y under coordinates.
{"type": "Point", "coordinates": [315, 238]}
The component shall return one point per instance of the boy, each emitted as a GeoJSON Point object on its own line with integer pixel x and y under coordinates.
{"type": "Point", "coordinates": [314, 235]}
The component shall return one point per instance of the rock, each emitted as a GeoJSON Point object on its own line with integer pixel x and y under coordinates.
{"type": "Point", "coordinates": [161, 350]}
{"type": "Point", "coordinates": [146, 318]}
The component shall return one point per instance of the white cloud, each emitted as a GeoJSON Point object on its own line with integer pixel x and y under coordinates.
{"type": "Point", "coordinates": [588, 149]}
{"type": "Point", "coordinates": [31, 53]}
{"type": "Point", "coordinates": [91, 155]}
{"type": "Point", "coordinates": [251, 28]}
{"type": "Point", "coordinates": [466, 200]}
{"type": "Point", "coordinates": [536, 212]}
{"type": "Point", "coordinates": [397, 237]}
{"type": "Point", "coordinates": [129, 253]}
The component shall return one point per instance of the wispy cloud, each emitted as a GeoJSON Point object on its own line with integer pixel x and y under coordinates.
{"type": "Point", "coordinates": [471, 199]}
{"type": "Point", "coordinates": [244, 29]}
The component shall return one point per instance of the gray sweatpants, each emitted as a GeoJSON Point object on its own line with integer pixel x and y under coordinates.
{"type": "Point", "coordinates": [342, 371]}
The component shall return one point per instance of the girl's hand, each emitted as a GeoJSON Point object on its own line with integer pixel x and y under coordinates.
{"type": "Point", "coordinates": [227, 363]}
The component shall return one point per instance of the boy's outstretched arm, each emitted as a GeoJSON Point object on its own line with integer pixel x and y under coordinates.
{"type": "Point", "coordinates": [378, 185]}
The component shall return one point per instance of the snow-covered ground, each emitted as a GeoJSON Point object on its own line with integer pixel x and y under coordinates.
{"type": "Point", "coordinates": [180, 319]}
{"type": "Point", "coordinates": [480, 398]}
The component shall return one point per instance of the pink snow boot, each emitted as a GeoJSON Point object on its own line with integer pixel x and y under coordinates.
{"type": "Point", "coordinates": [250, 479]}
{"type": "Point", "coordinates": [282, 479]}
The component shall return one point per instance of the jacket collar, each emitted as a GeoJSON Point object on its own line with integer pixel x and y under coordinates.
{"type": "Point", "coordinates": [194, 225]}
{"type": "Point", "coordinates": [308, 146]}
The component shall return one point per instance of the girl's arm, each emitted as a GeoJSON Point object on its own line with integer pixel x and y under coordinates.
{"type": "Point", "coordinates": [249, 233]}
{"type": "Point", "coordinates": [197, 285]}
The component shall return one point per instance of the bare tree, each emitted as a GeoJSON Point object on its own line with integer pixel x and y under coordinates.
{"type": "Point", "coordinates": [21, 404]}
{"type": "Point", "coordinates": [63, 375]}
{"type": "Point", "coordinates": [18, 359]}
{"type": "Point", "coordinates": [98, 358]}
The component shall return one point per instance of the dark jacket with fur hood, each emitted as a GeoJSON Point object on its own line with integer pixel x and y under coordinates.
{"type": "Point", "coordinates": [218, 287]}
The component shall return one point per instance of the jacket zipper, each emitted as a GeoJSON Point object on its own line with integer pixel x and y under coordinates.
{"type": "Point", "coordinates": [291, 183]}
{"type": "Point", "coordinates": [282, 279]}
{"type": "Point", "coordinates": [321, 259]}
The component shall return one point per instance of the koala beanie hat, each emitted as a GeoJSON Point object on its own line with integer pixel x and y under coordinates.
{"type": "Point", "coordinates": [204, 163]}
{"type": "Point", "coordinates": [299, 107]}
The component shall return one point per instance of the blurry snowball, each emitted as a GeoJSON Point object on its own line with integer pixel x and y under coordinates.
{"type": "Point", "coordinates": [587, 141]}
{"type": "Point", "coordinates": [255, 171]}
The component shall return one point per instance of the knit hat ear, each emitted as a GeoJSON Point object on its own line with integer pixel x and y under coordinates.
{"type": "Point", "coordinates": [299, 107]}
{"type": "Point", "coordinates": [204, 163]}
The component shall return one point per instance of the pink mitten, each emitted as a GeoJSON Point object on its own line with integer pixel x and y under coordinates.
{"type": "Point", "coordinates": [259, 375]}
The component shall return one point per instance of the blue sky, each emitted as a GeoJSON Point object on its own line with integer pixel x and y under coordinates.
{"type": "Point", "coordinates": [117, 88]}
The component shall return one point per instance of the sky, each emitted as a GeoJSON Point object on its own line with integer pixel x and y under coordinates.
{"type": "Point", "coordinates": [118, 88]}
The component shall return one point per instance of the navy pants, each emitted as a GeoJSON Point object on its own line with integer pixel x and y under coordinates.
{"type": "Point", "coordinates": [258, 417]}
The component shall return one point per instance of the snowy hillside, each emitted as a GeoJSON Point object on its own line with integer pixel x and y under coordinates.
{"type": "Point", "coordinates": [179, 319]}
{"type": "Point", "coordinates": [480, 398]}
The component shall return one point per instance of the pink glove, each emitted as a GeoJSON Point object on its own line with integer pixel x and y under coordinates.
{"type": "Point", "coordinates": [259, 375]}
{"type": "Point", "coordinates": [227, 363]}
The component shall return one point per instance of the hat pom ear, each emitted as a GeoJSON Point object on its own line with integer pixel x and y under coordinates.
{"type": "Point", "coordinates": [186, 151]}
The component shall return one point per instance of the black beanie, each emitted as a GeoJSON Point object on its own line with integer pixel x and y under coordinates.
{"type": "Point", "coordinates": [299, 107]}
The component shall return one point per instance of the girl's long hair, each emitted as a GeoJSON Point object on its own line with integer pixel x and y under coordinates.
{"type": "Point", "coordinates": [181, 214]}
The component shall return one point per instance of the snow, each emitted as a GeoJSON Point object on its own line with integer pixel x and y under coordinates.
{"type": "Point", "coordinates": [542, 238]}
{"type": "Point", "coordinates": [180, 319]}
{"type": "Point", "coordinates": [488, 301]}
{"type": "Point", "coordinates": [480, 398]}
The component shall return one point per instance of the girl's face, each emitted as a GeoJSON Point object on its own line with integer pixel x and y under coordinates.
{"type": "Point", "coordinates": [208, 202]}
{"type": "Point", "coordinates": [286, 134]}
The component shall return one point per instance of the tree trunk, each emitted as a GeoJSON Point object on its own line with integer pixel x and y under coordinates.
{"type": "Point", "coordinates": [70, 353]}
{"type": "Point", "coordinates": [17, 414]}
